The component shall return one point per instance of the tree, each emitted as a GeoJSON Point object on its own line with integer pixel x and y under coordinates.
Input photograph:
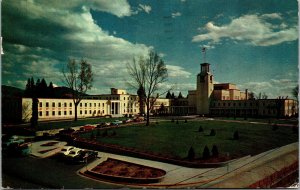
{"type": "Point", "coordinates": [180, 95]}
{"type": "Point", "coordinates": [212, 132]}
{"type": "Point", "coordinates": [148, 73]}
{"type": "Point", "coordinates": [173, 95]}
{"type": "Point", "coordinates": [251, 96]}
{"type": "Point", "coordinates": [215, 151]}
{"type": "Point", "coordinates": [295, 92]}
{"type": "Point", "coordinates": [141, 94]}
{"type": "Point", "coordinates": [191, 153]}
{"type": "Point", "coordinates": [236, 135]}
{"type": "Point", "coordinates": [206, 153]}
{"type": "Point", "coordinates": [79, 78]}
{"type": "Point", "coordinates": [51, 90]}
{"type": "Point", "coordinates": [168, 96]}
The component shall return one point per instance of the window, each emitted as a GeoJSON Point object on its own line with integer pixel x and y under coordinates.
{"type": "Point", "coordinates": [245, 104]}
{"type": "Point", "coordinates": [70, 104]}
{"type": "Point", "coordinates": [47, 104]}
{"type": "Point", "coordinates": [47, 113]}
{"type": "Point", "coordinates": [41, 104]}
{"type": "Point", "coordinates": [80, 104]}
{"type": "Point", "coordinates": [94, 104]}
{"type": "Point", "coordinates": [124, 98]}
{"type": "Point", "coordinates": [228, 104]}
{"type": "Point", "coordinates": [234, 104]}
{"type": "Point", "coordinates": [124, 104]}
{"type": "Point", "coordinates": [59, 104]}
{"type": "Point", "coordinates": [70, 112]}
{"type": "Point", "coordinates": [85, 112]}
{"type": "Point", "coordinates": [80, 112]}
{"type": "Point", "coordinates": [239, 104]}
{"type": "Point", "coordinates": [53, 104]}
{"type": "Point", "coordinates": [99, 105]}
{"type": "Point", "coordinates": [59, 112]}
{"type": "Point", "coordinates": [40, 113]}
{"type": "Point", "coordinates": [103, 104]}
{"type": "Point", "coordinates": [65, 112]}
{"type": "Point", "coordinates": [223, 104]}
{"type": "Point", "coordinates": [65, 104]}
{"type": "Point", "coordinates": [90, 111]}
{"type": "Point", "coordinates": [53, 113]}
{"type": "Point", "coordinates": [85, 105]}
{"type": "Point", "coordinates": [90, 104]}
{"type": "Point", "coordinates": [218, 104]}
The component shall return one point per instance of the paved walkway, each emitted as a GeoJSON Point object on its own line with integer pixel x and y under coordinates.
{"type": "Point", "coordinates": [36, 148]}
{"type": "Point", "coordinates": [180, 177]}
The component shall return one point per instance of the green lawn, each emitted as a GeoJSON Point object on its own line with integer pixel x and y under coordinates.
{"type": "Point", "coordinates": [176, 139]}
{"type": "Point", "coordinates": [71, 123]}
{"type": "Point", "coordinates": [292, 121]}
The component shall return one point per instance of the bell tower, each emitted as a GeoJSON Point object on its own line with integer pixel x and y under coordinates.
{"type": "Point", "coordinates": [205, 87]}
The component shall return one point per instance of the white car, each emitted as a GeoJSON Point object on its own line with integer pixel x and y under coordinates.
{"type": "Point", "coordinates": [74, 152]}
{"type": "Point", "coordinates": [66, 150]}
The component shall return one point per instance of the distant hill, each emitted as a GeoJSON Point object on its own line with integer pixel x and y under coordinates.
{"type": "Point", "coordinates": [58, 92]}
{"type": "Point", "coordinates": [10, 91]}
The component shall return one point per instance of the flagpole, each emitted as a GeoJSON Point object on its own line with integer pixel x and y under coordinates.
{"type": "Point", "coordinates": [204, 54]}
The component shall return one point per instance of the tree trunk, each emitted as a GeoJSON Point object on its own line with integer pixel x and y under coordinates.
{"type": "Point", "coordinates": [76, 104]}
{"type": "Point", "coordinates": [148, 114]}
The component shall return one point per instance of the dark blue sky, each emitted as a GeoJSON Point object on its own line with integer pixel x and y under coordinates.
{"type": "Point", "coordinates": [251, 43]}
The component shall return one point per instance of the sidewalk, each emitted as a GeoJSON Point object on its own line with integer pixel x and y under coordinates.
{"type": "Point", "coordinates": [178, 176]}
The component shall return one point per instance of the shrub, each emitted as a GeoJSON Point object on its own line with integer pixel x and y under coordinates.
{"type": "Point", "coordinates": [191, 153]}
{"type": "Point", "coordinates": [98, 133]}
{"type": "Point", "coordinates": [200, 129]}
{"type": "Point", "coordinates": [212, 132]}
{"type": "Point", "coordinates": [275, 127]}
{"type": "Point", "coordinates": [172, 120]}
{"type": "Point", "coordinates": [104, 134]}
{"type": "Point", "coordinates": [92, 135]}
{"type": "Point", "coordinates": [185, 121]}
{"type": "Point", "coordinates": [295, 129]}
{"type": "Point", "coordinates": [206, 153]}
{"type": "Point", "coordinates": [114, 133]}
{"type": "Point", "coordinates": [177, 121]}
{"type": "Point", "coordinates": [236, 135]}
{"type": "Point", "coordinates": [214, 151]}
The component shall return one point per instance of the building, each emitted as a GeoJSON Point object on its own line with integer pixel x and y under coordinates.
{"type": "Point", "coordinates": [208, 99]}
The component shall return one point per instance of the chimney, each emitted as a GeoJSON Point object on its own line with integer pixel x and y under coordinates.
{"type": "Point", "coordinates": [246, 92]}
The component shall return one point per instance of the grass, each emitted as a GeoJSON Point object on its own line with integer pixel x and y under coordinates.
{"type": "Point", "coordinates": [70, 123]}
{"type": "Point", "coordinates": [176, 139]}
{"type": "Point", "coordinates": [293, 121]}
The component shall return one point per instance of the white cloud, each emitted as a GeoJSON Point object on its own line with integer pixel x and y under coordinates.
{"type": "Point", "coordinates": [253, 29]}
{"type": "Point", "coordinates": [177, 14]}
{"type": "Point", "coordinates": [177, 72]}
{"type": "Point", "coordinates": [145, 8]}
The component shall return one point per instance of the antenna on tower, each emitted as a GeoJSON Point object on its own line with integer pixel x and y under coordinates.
{"type": "Point", "coordinates": [204, 54]}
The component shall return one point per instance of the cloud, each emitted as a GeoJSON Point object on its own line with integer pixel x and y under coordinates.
{"type": "Point", "coordinates": [274, 87]}
{"type": "Point", "coordinates": [145, 8]}
{"type": "Point", "coordinates": [177, 14]}
{"type": "Point", "coordinates": [253, 29]}
{"type": "Point", "coordinates": [177, 72]}
{"type": "Point", "coordinates": [38, 41]}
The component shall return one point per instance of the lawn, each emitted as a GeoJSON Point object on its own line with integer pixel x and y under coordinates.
{"type": "Point", "coordinates": [70, 123]}
{"type": "Point", "coordinates": [174, 139]}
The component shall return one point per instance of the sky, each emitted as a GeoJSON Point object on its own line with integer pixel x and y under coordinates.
{"type": "Point", "coordinates": [251, 43]}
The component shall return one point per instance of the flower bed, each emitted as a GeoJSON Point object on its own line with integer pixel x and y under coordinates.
{"type": "Point", "coordinates": [122, 171]}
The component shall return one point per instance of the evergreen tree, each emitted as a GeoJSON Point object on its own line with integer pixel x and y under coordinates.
{"type": "Point", "coordinates": [206, 153]}
{"type": "Point", "coordinates": [43, 89]}
{"type": "Point", "coordinates": [180, 95]}
{"type": "Point", "coordinates": [200, 129]}
{"type": "Point", "coordinates": [172, 96]}
{"type": "Point", "coordinates": [51, 90]}
{"type": "Point", "coordinates": [214, 151]}
{"type": "Point", "coordinates": [212, 132]}
{"type": "Point", "coordinates": [236, 135]}
{"type": "Point", "coordinates": [27, 92]}
{"type": "Point", "coordinates": [168, 96]}
{"type": "Point", "coordinates": [191, 153]}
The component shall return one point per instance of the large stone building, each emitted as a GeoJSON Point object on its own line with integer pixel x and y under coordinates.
{"type": "Point", "coordinates": [208, 99]}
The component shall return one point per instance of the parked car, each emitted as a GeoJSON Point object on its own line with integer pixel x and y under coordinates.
{"type": "Point", "coordinates": [85, 156]}
{"type": "Point", "coordinates": [127, 121]}
{"type": "Point", "coordinates": [66, 131]}
{"type": "Point", "coordinates": [116, 122]}
{"type": "Point", "coordinates": [138, 119]}
{"type": "Point", "coordinates": [87, 128]}
{"type": "Point", "coordinates": [74, 152]}
{"type": "Point", "coordinates": [65, 150]}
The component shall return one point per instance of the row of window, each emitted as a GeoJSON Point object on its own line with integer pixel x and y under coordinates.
{"type": "Point", "coordinates": [59, 113]}
{"type": "Point", "coordinates": [234, 104]}
{"type": "Point", "coordinates": [59, 104]}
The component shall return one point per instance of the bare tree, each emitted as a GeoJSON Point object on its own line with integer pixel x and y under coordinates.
{"type": "Point", "coordinates": [295, 92]}
{"type": "Point", "coordinates": [79, 78]}
{"type": "Point", "coordinates": [148, 73]}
